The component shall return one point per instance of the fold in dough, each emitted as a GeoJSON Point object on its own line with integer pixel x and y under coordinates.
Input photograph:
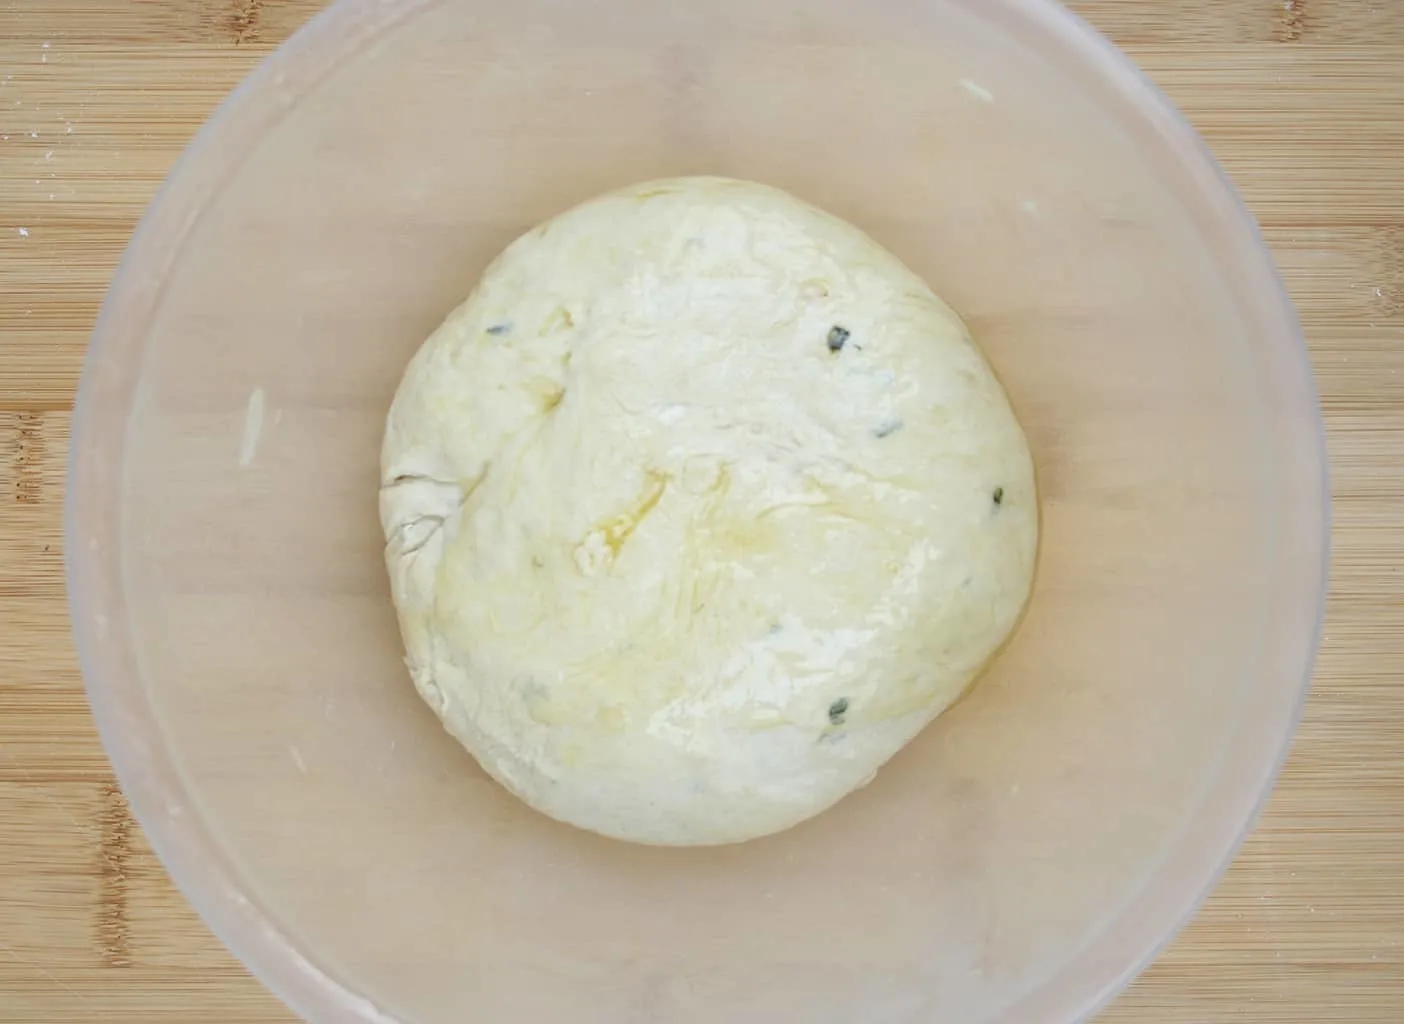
{"type": "Point", "coordinates": [698, 509]}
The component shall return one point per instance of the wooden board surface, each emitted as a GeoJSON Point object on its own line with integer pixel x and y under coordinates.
{"type": "Point", "coordinates": [1302, 100]}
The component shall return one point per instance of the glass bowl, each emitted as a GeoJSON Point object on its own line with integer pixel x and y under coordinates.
{"type": "Point", "coordinates": [1020, 860]}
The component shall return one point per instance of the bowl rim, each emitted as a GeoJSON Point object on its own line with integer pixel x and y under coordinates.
{"type": "Point", "coordinates": [188, 847]}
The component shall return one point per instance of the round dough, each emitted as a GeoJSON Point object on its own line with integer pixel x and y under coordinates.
{"type": "Point", "coordinates": [698, 509]}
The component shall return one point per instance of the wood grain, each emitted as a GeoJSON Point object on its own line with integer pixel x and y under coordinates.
{"type": "Point", "coordinates": [1302, 100]}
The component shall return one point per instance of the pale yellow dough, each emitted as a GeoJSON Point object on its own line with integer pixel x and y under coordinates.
{"type": "Point", "coordinates": [697, 510]}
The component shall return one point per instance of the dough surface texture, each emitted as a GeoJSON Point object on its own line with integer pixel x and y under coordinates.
{"type": "Point", "coordinates": [697, 510]}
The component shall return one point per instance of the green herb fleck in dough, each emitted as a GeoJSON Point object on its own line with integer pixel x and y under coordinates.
{"type": "Point", "coordinates": [499, 328]}
{"type": "Point", "coordinates": [837, 710]}
{"type": "Point", "coordinates": [998, 495]}
{"type": "Point", "coordinates": [837, 337]}
{"type": "Point", "coordinates": [887, 428]}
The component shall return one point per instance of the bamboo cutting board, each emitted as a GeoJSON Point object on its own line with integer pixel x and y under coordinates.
{"type": "Point", "coordinates": [1302, 100]}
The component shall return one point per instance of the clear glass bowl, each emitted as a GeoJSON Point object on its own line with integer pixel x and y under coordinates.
{"type": "Point", "coordinates": [1030, 851]}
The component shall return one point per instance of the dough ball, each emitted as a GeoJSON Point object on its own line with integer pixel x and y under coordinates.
{"type": "Point", "coordinates": [698, 509]}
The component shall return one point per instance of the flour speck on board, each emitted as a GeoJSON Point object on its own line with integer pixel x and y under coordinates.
{"type": "Point", "coordinates": [253, 428]}
{"type": "Point", "coordinates": [24, 232]}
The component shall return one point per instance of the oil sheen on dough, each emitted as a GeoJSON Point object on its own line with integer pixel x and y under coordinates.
{"type": "Point", "coordinates": [698, 509]}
